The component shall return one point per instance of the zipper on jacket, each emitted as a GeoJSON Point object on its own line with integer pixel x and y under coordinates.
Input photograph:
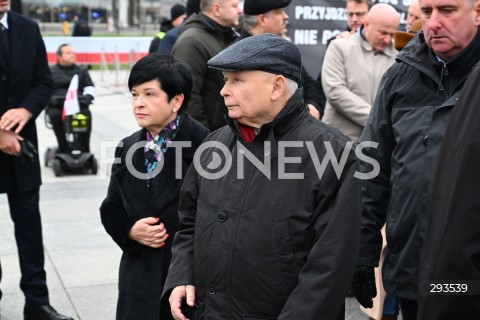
{"type": "Point", "coordinates": [443, 72]}
{"type": "Point", "coordinates": [444, 69]}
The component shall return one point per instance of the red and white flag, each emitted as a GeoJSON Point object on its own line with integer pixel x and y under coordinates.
{"type": "Point", "coordinates": [71, 105]}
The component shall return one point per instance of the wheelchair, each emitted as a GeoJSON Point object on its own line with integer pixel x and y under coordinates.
{"type": "Point", "coordinates": [77, 159]}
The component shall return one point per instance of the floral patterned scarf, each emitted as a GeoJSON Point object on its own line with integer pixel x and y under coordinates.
{"type": "Point", "coordinates": [157, 147]}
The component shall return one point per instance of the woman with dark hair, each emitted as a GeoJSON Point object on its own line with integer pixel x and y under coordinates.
{"type": "Point", "coordinates": [140, 210]}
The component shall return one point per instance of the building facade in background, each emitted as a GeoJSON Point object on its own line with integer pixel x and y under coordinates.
{"type": "Point", "coordinates": [129, 12]}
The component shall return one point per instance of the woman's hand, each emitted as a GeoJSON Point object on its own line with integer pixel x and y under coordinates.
{"type": "Point", "coordinates": [147, 232]}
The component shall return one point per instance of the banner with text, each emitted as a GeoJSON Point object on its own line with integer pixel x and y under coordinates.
{"type": "Point", "coordinates": [313, 22]}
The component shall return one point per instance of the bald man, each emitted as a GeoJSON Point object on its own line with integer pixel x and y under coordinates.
{"type": "Point", "coordinates": [353, 67]}
{"type": "Point", "coordinates": [413, 14]}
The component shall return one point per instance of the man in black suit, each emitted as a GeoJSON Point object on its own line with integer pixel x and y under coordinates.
{"type": "Point", "coordinates": [25, 89]}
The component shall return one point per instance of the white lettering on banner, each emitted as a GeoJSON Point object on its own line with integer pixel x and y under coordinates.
{"type": "Point", "coordinates": [403, 18]}
{"type": "Point", "coordinates": [306, 37]}
{"type": "Point", "coordinates": [407, 3]}
{"type": "Point", "coordinates": [310, 37]}
{"type": "Point", "coordinates": [392, 2]}
{"type": "Point", "coordinates": [321, 13]}
{"type": "Point", "coordinates": [327, 34]}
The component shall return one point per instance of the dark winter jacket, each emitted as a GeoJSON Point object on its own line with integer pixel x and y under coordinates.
{"type": "Point", "coordinates": [143, 269]}
{"type": "Point", "coordinates": [62, 76]}
{"type": "Point", "coordinates": [155, 43]}
{"type": "Point", "coordinates": [200, 39]}
{"type": "Point", "coordinates": [166, 45]}
{"type": "Point", "coordinates": [408, 120]}
{"type": "Point", "coordinates": [451, 249]}
{"type": "Point", "coordinates": [269, 248]}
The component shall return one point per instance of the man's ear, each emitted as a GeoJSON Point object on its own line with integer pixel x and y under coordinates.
{"type": "Point", "coordinates": [365, 22]}
{"type": "Point", "coordinates": [216, 8]}
{"type": "Point", "coordinates": [279, 87]}
{"type": "Point", "coordinates": [477, 13]}
{"type": "Point", "coordinates": [261, 20]}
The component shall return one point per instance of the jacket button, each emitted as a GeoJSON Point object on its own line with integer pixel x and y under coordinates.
{"type": "Point", "coordinates": [425, 140]}
{"type": "Point", "coordinates": [221, 216]}
{"type": "Point", "coordinates": [211, 289]}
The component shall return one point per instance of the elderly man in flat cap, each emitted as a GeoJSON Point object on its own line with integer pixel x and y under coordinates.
{"type": "Point", "coordinates": [269, 228]}
{"type": "Point", "coordinates": [269, 16]}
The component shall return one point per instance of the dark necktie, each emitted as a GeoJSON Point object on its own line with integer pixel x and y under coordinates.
{"type": "Point", "coordinates": [4, 43]}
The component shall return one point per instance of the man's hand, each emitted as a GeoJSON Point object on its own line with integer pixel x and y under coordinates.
{"type": "Point", "coordinates": [363, 285]}
{"type": "Point", "coordinates": [147, 232]}
{"type": "Point", "coordinates": [345, 34]}
{"type": "Point", "coordinates": [313, 111]}
{"type": "Point", "coordinates": [9, 142]}
{"type": "Point", "coordinates": [15, 117]}
{"type": "Point", "coordinates": [176, 297]}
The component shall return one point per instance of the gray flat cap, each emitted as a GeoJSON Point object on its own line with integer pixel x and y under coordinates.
{"type": "Point", "coordinates": [266, 52]}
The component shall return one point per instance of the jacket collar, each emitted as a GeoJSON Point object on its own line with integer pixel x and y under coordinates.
{"type": "Point", "coordinates": [4, 20]}
{"type": "Point", "coordinates": [418, 54]}
{"type": "Point", "coordinates": [245, 34]}
{"type": "Point", "coordinates": [465, 60]}
{"type": "Point", "coordinates": [208, 24]}
{"type": "Point", "coordinates": [188, 130]}
{"type": "Point", "coordinates": [17, 33]}
{"type": "Point", "coordinates": [294, 110]}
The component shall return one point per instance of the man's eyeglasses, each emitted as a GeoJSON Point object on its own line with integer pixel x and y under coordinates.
{"type": "Point", "coordinates": [358, 14]}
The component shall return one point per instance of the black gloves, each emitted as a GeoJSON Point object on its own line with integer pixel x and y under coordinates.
{"type": "Point", "coordinates": [84, 100]}
{"type": "Point", "coordinates": [27, 150]}
{"type": "Point", "coordinates": [363, 285]}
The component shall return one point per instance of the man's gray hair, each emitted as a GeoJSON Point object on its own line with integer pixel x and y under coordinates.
{"type": "Point", "coordinates": [249, 20]}
{"type": "Point", "coordinates": [292, 87]}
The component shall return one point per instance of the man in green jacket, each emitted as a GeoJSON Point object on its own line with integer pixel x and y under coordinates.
{"type": "Point", "coordinates": [202, 37]}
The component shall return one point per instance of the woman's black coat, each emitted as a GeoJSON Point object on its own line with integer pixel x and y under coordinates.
{"type": "Point", "coordinates": [143, 270]}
